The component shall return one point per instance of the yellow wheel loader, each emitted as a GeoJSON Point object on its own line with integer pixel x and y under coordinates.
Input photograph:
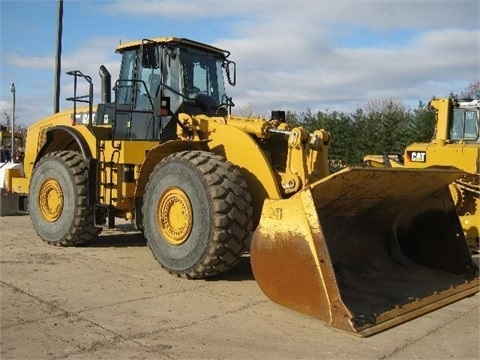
{"type": "Point", "coordinates": [456, 143]}
{"type": "Point", "coordinates": [361, 249]}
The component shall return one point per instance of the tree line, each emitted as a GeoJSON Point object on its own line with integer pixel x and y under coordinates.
{"type": "Point", "coordinates": [385, 126]}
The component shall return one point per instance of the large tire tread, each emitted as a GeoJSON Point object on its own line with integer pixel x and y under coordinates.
{"type": "Point", "coordinates": [82, 228]}
{"type": "Point", "coordinates": [231, 204]}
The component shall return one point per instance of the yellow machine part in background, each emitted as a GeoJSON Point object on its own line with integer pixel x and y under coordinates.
{"type": "Point", "coordinates": [456, 144]}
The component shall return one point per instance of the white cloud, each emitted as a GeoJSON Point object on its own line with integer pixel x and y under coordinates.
{"type": "Point", "coordinates": [309, 54]}
{"type": "Point", "coordinates": [87, 58]}
{"type": "Point", "coordinates": [26, 62]}
{"type": "Point", "coordinates": [187, 9]}
{"type": "Point", "coordinates": [314, 70]}
{"type": "Point", "coordinates": [380, 14]}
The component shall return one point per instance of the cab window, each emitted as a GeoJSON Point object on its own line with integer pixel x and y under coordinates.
{"type": "Point", "coordinates": [471, 125]}
{"type": "Point", "coordinates": [124, 90]}
{"type": "Point", "coordinates": [464, 125]}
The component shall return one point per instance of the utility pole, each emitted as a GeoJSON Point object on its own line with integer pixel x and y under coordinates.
{"type": "Point", "coordinates": [58, 59]}
{"type": "Point", "coordinates": [12, 123]}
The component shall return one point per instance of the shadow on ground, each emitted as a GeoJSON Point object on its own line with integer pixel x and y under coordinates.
{"type": "Point", "coordinates": [241, 272]}
{"type": "Point", "coordinates": [125, 235]}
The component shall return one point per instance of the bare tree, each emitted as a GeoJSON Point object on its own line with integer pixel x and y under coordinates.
{"type": "Point", "coordinates": [384, 106]}
{"type": "Point", "coordinates": [6, 121]}
{"type": "Point", "coordinates": [472, 91]}
{"type": "Point", "coordinates": [245, 111]}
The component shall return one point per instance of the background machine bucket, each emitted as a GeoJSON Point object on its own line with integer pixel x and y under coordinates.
{"type": "Point", "coordinates": [365, 249]}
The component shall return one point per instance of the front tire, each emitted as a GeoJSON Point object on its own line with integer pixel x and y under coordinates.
{"type": "Point", "coordinates": [58, 200]}
{"type": "Point", "coordinates": [197, 214]}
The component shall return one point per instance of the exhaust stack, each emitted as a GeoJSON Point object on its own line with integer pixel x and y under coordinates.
{"type": "Point", "coordinates": [106, 84]}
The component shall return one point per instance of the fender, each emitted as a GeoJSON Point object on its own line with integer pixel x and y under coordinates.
{"type": "Point", "coordinates": [67, 138]}
{"type": "Point", "coordinates": [70, 140]}
{"type": "Point", "coordinates": [161, 151]}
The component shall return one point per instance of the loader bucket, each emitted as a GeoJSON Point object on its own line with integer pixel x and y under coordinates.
{"type": "Point", "coordinates": [365, 249]}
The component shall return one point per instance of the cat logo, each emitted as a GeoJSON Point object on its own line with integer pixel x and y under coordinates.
{"type": "Point", "coordinates": [417, 156]}
{"type": "Point", "coordinates": [83, 118]}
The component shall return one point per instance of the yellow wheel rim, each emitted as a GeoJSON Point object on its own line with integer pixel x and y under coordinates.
{"type": "Point", "coordinates": [174, 216]}
{"type": "Point", "coordinates": [50, 200]}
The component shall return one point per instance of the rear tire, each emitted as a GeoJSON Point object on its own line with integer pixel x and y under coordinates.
{"type": "Point", "coordinates": [58, 200]}
{"type": "Point", "coordinates": [197, 214]}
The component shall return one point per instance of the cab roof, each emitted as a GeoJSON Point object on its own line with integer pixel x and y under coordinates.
{"type": "Point", "coordinates": [164, 40]}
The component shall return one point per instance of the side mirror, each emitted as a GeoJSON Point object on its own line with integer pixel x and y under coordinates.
{"type": "Point", "coordinates": [227, 65]}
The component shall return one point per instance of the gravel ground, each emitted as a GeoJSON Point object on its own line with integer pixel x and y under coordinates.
{"type": "Point", "coordinates": [111, 300]}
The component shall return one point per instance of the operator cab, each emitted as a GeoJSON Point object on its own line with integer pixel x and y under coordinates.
{"type": "Point", "coordinates": [465, 121]}
{"type": "Point", "coordinates": [161, 78]}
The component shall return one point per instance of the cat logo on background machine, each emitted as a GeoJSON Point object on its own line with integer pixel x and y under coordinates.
{"type": "Point", "coordinates": [417, 156]}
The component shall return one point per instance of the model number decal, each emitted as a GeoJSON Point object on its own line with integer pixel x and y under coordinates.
{"type": "Point", "coordinates": [417, 156]}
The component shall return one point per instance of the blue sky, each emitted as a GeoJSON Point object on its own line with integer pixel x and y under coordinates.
{"type": "Point", "coordinates": [291, 55]}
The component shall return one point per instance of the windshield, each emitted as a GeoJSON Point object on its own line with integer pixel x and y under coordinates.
{"type": "Point", "coordinates": [464, 125]}
{"type": "Point", "coordinates": [201, 74]}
